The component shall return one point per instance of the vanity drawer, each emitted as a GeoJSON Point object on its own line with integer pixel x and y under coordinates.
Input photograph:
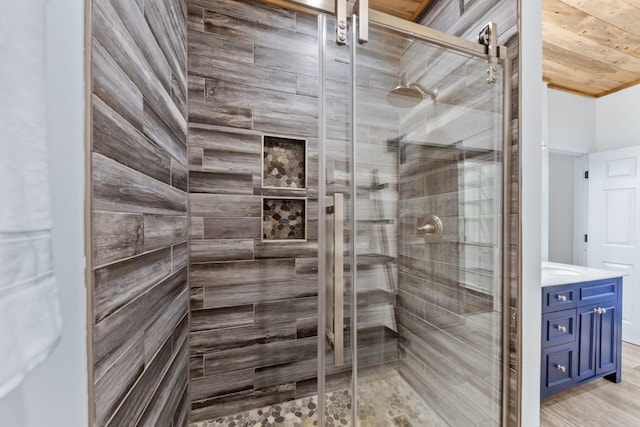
{"type": "Point", "coordinates": [558, 370]}
{"type": "Point", "coordinates": [558, 327]}
{"type": "Point", "coordinates": [594, 292]}
{"type": "Point", "coordinates": [556, 298]}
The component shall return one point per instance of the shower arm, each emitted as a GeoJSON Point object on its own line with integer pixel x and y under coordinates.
{"type": "Point", "coordinates": [432, 93]}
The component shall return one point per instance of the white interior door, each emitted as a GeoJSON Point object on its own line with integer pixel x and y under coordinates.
{"type": "Point", "coordinates": [614, 242]}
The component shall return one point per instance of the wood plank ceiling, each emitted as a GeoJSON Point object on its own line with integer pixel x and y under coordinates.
{"type": "Point", "coordinates": [590, 47]}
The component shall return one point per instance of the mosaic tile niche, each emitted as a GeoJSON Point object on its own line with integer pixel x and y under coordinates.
{"type": "Point", "coordinates": [284, 162]}
{"type": "Point", "coordinates": [284, 219]}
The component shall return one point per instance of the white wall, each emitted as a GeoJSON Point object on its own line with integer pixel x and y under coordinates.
{"type": "Point", "coordinates": [55, 393]}
{"type": "Point", "coordinates": [572, 122]}
{"type": "Point", "coordinates": [618, 122]}
{"type": "Point", "coordinates": [530, 169]}
{"type": "Point", "coordinates": [561, 212]}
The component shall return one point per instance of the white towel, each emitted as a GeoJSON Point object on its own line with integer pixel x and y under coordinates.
{"type": "Point", "coordinates": [30, 322]}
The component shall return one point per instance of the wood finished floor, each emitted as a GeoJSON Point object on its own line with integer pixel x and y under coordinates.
{"type": "Point", "coordinates": [600, 402]}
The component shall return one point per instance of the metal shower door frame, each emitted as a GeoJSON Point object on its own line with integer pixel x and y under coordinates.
{"type": "Point", "coordinates": [495, 55]}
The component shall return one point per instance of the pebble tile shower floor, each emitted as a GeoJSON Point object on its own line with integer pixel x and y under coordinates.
{"type": "Point", "coordinates": [387, 400]}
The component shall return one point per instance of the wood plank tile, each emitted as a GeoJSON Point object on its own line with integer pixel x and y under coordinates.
{"type": "Point", "coordinates": [260, 355]}
{"type": "Point", "coordinates": [214, 385]}
{"type": "Point", "coordinates": [117, 284]}
{"type": "Point", "coordinates": [114, 87]}
{"type": "Point", "coordinates": [161, 231]}
{"type": "Point", "coordinates": [142, 36]}
{"type": "Point", "coordinates": [220, 115]}
{"type": "Point", "coordinates": [120, 189]}
{"type": "Point", "coordinates": [204, 44]}
{"type": "Point", "coordinates": [161, 330]}
{"type": "Point", "coordinates": [181, 417]}
{"type": "Point", "coordinates": [220, 250]}
{"type": "Point", "coordinates": [196, 366]}
{"type": "Point", "coordinates": [248, 74]}
{"type": "Point", "coordinates": [196, 228]}
{"type": "Point", "coordinates": [284, 123]}
{"type": "Point", "coordinates": [224, 139]}
{"type": "Point", "coordinates": [179, 175]}
{"type": "Point", "coordinates": [286, 60]}
{"type": "Point", "coordinates": [179, 256]}
{"type": "Point", "coordinates": [133, 405]}
{"type": "Point", "coordinates": [195, 19]}
{"type": "Point", "coordinates": [226, 228]}
{"type": "Point", "coordinates": [112, 387]}
{"type": "Point", "coordinates": [242, 401]}
{"type": "Point", "coordinates": [232, 295]}
{"type": "Point", "coordinates": [286, 250]}
{"type": "Point", "coordinates": [278, 311]}
{"type": "Point", "coordinates": [172, 142]}
{"type": "Point", "coordinates": [195, 88]}
{"type": "Point", "coordinates": [243, 336]}
{"type": "Point", "coordinates": [285, 373]}
{"type": "Point", "coordinates": [116, 236]}
{"type": "Point", "coordinates": [168, 30]}
{"type": "Point", "coordinates": [232, 94]}
{"type": "Point", "coordinates": [180, 335]}
{"type": "Point", "coordinates": [229, 27]}
{"type": "Point", "coordinates": [252, 12]}
{"type": "Point", "coordinates": [217, 318]}
{"type": "Point", "coordinates": [166, 396]}
{"type": "Point", "coordinates": [114, 332]}
{"type": "Point", "coordinates": [196, 298]}
{"type": "Point", "coordinates": [241, 272]}
{"type": "Point", "coordinates": [231, 162]}
{"type": "Point", "coordinates": [108, 28]}
{"type": "Point", "coordinates": [220, 183]}
{"type": "Point", "coordinates": [221, 206]}
{"type": "Point", "coordinates": [116, 138]}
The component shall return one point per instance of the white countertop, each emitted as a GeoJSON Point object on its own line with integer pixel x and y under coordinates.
{"type": "Point", "coordinates": [554, 273]}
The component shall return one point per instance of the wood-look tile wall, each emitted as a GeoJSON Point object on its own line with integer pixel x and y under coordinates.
{"type": "Point", "coordinates": [138, 213]}
{"type": "Point", "coordinates": [464, 19]}
{"type": "Point", "coordinates": [252, 70]}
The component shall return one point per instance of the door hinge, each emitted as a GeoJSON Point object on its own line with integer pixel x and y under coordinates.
{"type": "Point", "coordinates": [586, 174]}
{"type": "Point", "coordinates": [586, 238]}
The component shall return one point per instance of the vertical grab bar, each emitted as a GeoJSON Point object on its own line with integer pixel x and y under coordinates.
{"type": "Point", "coordinates": [338, 291]}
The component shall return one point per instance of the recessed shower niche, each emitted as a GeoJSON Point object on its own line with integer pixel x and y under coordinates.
{"type": "Point", "coordinates": [284, 162]}
{"type": "Point", "coordinates": [284, 219]}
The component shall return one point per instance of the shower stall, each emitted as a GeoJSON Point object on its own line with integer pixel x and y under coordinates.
{"type": "Point", "coordinates": [297, 219]}
{"type": "Point", "coordinates": [413, 161]}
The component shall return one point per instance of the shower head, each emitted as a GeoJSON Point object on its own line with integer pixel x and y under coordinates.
{"type": "Point", "coordinates": [409, 95]}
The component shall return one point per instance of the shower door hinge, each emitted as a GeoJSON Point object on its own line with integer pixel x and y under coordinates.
{"type": "Point", "coordinates": [488, 36]}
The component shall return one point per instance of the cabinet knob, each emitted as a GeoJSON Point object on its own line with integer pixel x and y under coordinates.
{"type": "Point", "coordinates": [600, 310]}
{"type": "Point", "coordinates": [561, 328]}
{"type": "Point", "coordinates": [561, 368]}
{"type": "Point", "coordinates": [603, 310]}
{"type": "Point", "coordinates": [562, 297]}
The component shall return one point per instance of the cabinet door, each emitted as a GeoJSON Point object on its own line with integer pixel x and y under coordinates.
{"type": "Point", "coordinates": [607, 350]}
{"type": "Point", "coordinates": [587, 327]}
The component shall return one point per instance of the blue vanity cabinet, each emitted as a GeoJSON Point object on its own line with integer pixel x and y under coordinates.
{"type": "Point", "coordinates": [581, 334]}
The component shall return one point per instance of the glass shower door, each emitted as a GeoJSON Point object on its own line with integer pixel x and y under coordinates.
{"type": "Point", "coordinates": [412, 170]}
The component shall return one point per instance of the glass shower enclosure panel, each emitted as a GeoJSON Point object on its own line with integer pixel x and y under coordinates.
{"type": "Point", "coordinates": [412, 170]}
